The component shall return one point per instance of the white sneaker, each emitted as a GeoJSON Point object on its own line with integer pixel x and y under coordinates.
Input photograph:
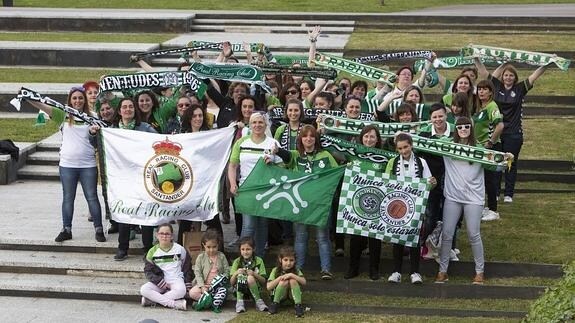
{"type": "Point", "coordinates": [240, 308]}
{"type": "Point", "coordinates": [485, 212]}
{"type": "Point", "coordinates": [416, 278]}
{"type": "Point", "coordinates": [508, 199]}
{"type": "Point", "coordinates": [260, 305]}
{"type": "Point", "coordinates": [457, 251]}
{"type": "Point", "coordinates": [180, 304]}
{"type": "Point", "coordinates": [146, 302]}
{"type": "Point", "coordinates": [453, 255]}
{"type": "Point", "coordinates": [491, 216]}
{"type": "Point", "coordinates": [394, 278]}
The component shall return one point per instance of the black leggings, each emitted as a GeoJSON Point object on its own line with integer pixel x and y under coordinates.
{"type": "Point", "coordinates": [414, 254]}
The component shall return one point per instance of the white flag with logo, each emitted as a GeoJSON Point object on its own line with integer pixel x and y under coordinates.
{"type": "Point", "coordinates": [153, 178]}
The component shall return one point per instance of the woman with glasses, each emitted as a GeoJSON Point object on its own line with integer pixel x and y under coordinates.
{"type": "Point", "coordinates": [488, 125]}
{"type": "Point", "coordinates": [412, 94]}
{"type": "Point", "coordinates": [77, 162]}
{"type": "Point", "coordinates": [405, 75]}
{"type": "Point", "coordinates": [245, 154]}
{"type": "Point", "coordinates": [289, 91]}
{"type": "Point", "coordinates": [464, 192]}
{"type": "Point", "coordinates": [175, 123]}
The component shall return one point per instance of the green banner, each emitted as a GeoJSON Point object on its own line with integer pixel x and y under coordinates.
{"type": "Point", "coordinates": [289, 60]}
{"type": "Point", "coordinates": [230, 72]}
{"type": "Point", "coordinates": [382, 206]}
{"type": "Point", "coordinates": [452, 62]}
{"type": "Point", "coordinates": [520, 56]}
{"type": "Point", "coordinates": [274, 192]}
{"type": "Point", "coordinates": [364, 71]}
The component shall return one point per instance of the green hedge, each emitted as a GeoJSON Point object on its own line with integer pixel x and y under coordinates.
{"type": "Point", "coordinates": [557, 304]}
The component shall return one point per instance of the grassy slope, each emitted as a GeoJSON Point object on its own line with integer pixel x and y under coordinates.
{"type": "Point", "coordinates": [86, 37]}
{"type": "Point", "coordinates": [272, 5]}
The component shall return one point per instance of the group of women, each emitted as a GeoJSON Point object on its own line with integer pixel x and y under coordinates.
{"type": "Point", "coordinates": [486, 113]}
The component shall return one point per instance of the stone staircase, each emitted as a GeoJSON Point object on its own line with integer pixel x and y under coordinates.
{"type": "Point", "coordinates": [43, 163]}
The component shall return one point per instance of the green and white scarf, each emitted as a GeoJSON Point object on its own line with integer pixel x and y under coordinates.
{"type": "Point", "coordinates": [490, 159]}
{"type": "Point", "coordinates": [354, 126]}
{"type": "Point", "coordinates": [452, 62]}
{"type": "Point", "coordinates": [231, 72]}
{"type": "Point", "coordinates": [27, 94]}
{"type": "Point", "coordinates": [151, 80]}
{"type": "Point", "coordinates": [520, 56]}
{"type": "Point", "coordinates": [427, 54]}
{"type": "Point", "coordinates": [355, 151]}
{"type": "Point", "coordinates": [163, 52]}
{"type": "Point", "coordinates": [236, 47]}
{"type": "Point", "coordinates": [364, 71]}
{"type": "Point", "coordinates": [278, 114]}
{"type": "Point", "coordinates": [289, 60]}
{"type": "Point", "coordinates": [315, 72]}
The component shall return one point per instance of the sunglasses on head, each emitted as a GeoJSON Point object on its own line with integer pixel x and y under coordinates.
{"type": "Point", "coordinates": [78, 88]}
{"type": "Point", "coordinates": [463, 126]}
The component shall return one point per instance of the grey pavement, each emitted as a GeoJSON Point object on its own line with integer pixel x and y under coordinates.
{"type": "Point", "coordinates": [41, 310]}
{"type": "Point", "coordinates": [38, 45]}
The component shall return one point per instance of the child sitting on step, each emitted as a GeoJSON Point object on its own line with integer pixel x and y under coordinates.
{"type": "Point", "coordinates": [168, 268]}
{"type": "Point", "coordinates": [209, 264]}
{"type": "Point", "coordinates": [285, 281]}
{"type": "Point", "coordinates": [248, 275]}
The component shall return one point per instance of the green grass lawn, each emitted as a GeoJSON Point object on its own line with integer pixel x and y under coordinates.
{"type": "Point", "coordinates": [57, 75]}
{"type": "Point", "coordinates": [548, 139]}
{"type": "Point", "coordinates": [86, 37]}
{"type": "Point", "coordinates": [24, 130]}
{"type": "Point", "coordinates": [287, 315]}
{"type": "Point", "coordinates": [273, 5]}
{"type": "Point", "coordinates": [365, 39]}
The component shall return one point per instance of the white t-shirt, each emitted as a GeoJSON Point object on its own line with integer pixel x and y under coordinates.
{"type": "Point", "coordinates": [464, 182]}
{"type": "Point", "coordinates": [76, 150]}
{"type": "Point", "coordinates": [169, 261]}
{"type": "Point", "coordinates": [247, 153]}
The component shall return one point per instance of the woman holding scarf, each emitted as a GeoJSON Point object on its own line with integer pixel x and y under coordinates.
{"type": "Point", "coordinates": [412, 94]}
{"type": "Point", "coordinates": [509, 94]}
{"type": "Point", "coordinates": [245, 154]}
{"type": "Point", "coordinates": [128, 117]}
{"type": "Point", "coordinates": [77, 163]}
{"type": "Point", "coordinates": [175, 124]}
{"type": "Point", "coordinates": [464, 192]}
{"type": "Point", "coordinates": [369, 137]}
{"type": "Point", "coordinates": [488, 125]}
{"type": "Point", "coordinates": [309, 157]}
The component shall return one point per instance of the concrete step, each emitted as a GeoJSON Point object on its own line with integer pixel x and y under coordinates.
{"type": "Point", "coordinates": [549, 177]}
{"type": "Point", "coordinates": [70, 263]}
{"type": "Point", "coordinates": [49, 146]}
{"type": "Point", "coordinates": [70, 53]}
{"type": "Point", "coordinates": [274, 22]}
{"type": "Point", "coordinates": [268, 29]}
{"type": "Point", "coordinates": [47, 158]}
{"type": "Point", "coordinates": [39, 172]}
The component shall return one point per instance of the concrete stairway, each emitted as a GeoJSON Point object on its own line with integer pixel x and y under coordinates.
{"type": "Point", "coordinates": [43, 163]}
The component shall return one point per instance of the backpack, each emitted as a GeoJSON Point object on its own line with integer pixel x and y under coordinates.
{"type": "Point", "coordinates": [7, 147]}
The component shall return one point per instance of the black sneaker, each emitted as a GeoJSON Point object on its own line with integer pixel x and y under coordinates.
{"type": "Point", "coordinates": [90, 219]}
{"type": "Point", "coordinates": [113, 228]}
{"type": "Point", "coordinates": [63, 236]}
{"type": "Point", "coordinates": [326, 275]}
{"type": "Point", "coordinates": [100, 236]}
{"type": "Point", "coordinates": [121, 255]}
{"type": "Point", "coordinates": [351, 273]}
{"type": "Point", "coordinates": [273, 308]}
{"type": "Point", "coordinates": [299, 310]}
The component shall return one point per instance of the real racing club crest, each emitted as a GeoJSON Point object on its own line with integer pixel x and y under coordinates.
{"type": "Point", "coordinates": [167, 176]}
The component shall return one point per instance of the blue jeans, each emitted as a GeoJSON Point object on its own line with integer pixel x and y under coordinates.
{"type": "Point", "coordinates": [88, 178]}
{"type": "Point", "coordinates": [511, 143]}
{"type": "Point", "coordinates": [323, 243]}
{"type": "Point", "coordinates": [257, 228]}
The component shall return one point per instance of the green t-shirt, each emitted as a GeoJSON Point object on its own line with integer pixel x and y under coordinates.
{"type": "Point", "coordinates": [485, 122]}
{"type": "Point", "coordinates": [422, 110]}
{"type": "Point", "coordinates": [256, 264]}
{"type": "Point", "coordinates": [319, 161]}
{"type": "Point", "coordinates": [276, 273]}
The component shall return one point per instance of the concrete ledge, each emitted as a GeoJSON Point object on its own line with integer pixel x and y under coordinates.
{"type": "Point", "coordinates": [9, 167]}
{"type": "Point", "coordinates": [70, 54]}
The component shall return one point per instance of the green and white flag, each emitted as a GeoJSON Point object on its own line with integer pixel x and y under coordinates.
{"type": "Point", "coordinates": [514, 55]}
{"type": "Point", "coordinates": [377, 205]}
{"type": "Point", "coordinates": [354, 126]}
{"type": "Point", "coordinates": [452, 62]}
{"type": "Point", "coordinates": [154, 179]}
{"type": "Point", "coordinates": [274, 192]}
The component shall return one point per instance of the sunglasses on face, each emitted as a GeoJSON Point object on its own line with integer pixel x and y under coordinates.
{"type": "Point", "coordinates": [181, 105]}
{"type": "Point", "coordinates": [164, 233]}
{"type": "Point", "coordinates": [292, 92]}
{"type": "Point", "coordinates": [463, 126]}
